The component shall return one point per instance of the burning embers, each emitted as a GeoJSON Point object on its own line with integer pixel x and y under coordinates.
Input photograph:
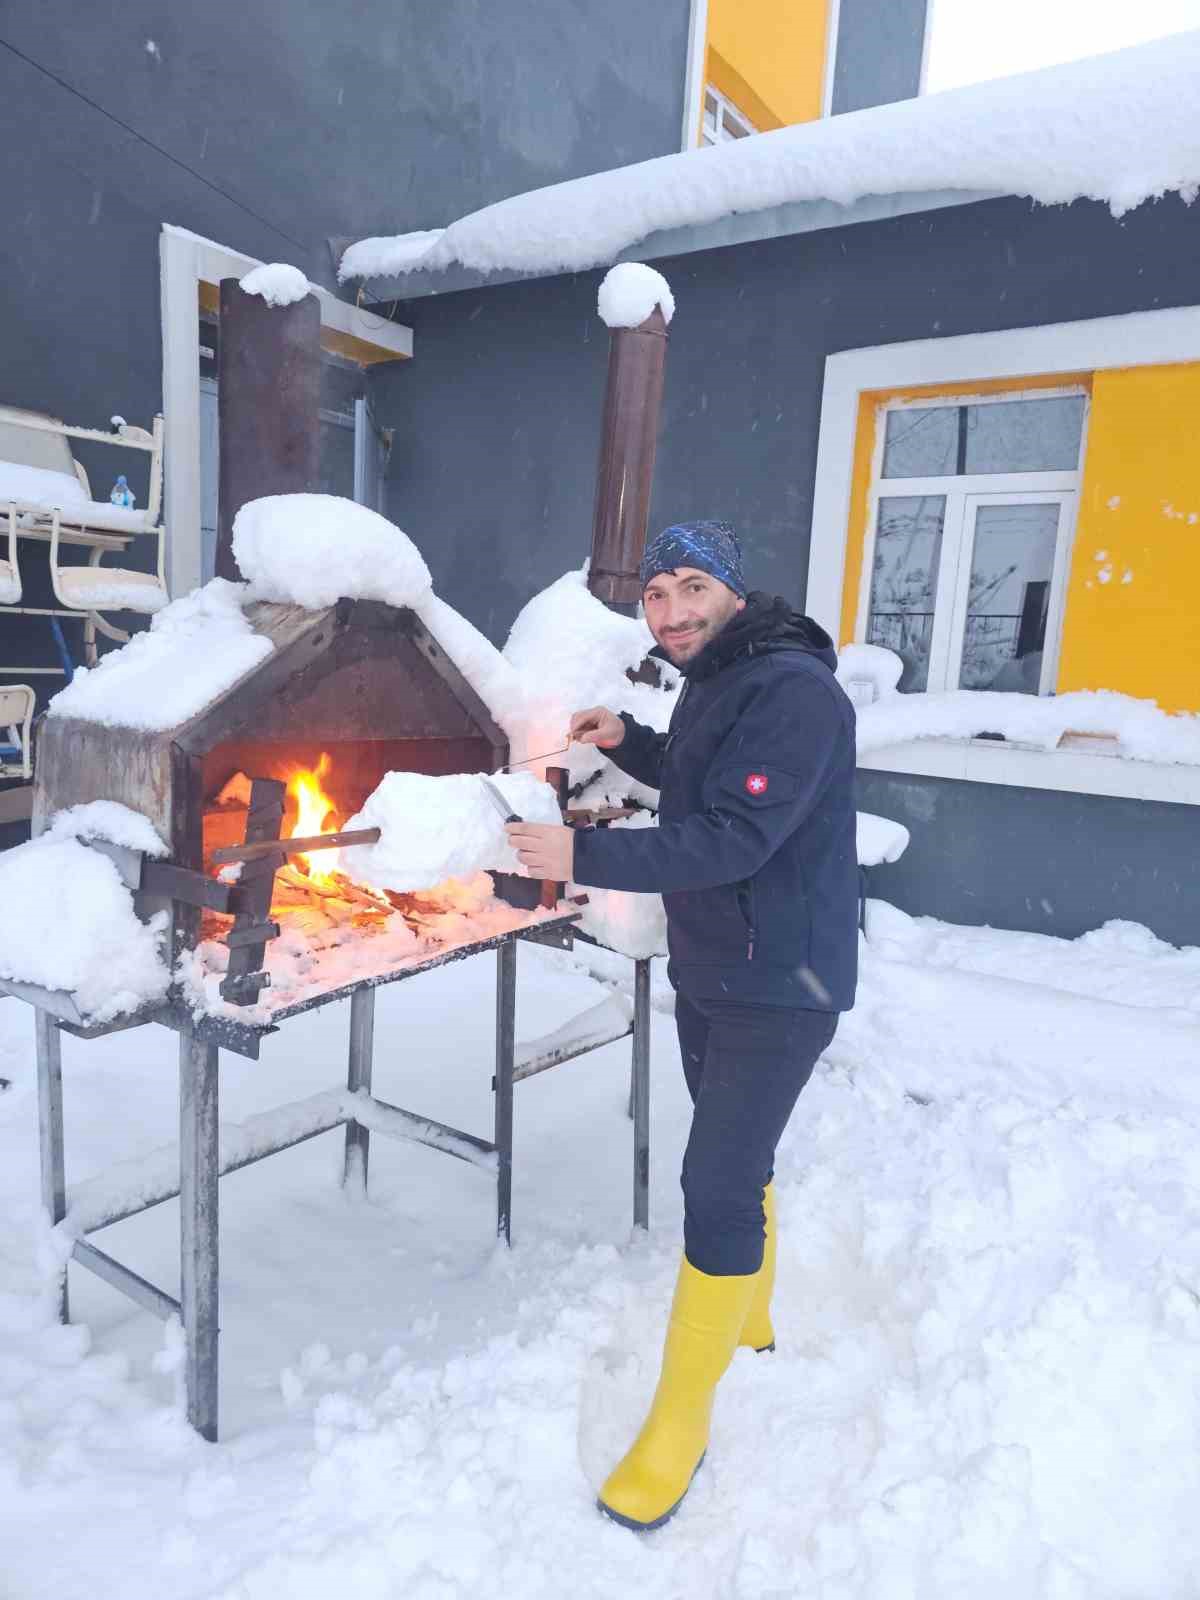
{"type": "Point", "coordinates": [322, 927]}
{"type": "Point", "coordinates": [311, 890]}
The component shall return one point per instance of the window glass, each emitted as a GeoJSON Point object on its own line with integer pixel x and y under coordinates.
{"type": "Point", "coordinates": [1025, 435]}
{"type": "Point", "coordinates": [921, 442]}
{"type": "Point", "coordinates": [1012, 563]}
{"type": "Point", "coordinates": [908, 547]}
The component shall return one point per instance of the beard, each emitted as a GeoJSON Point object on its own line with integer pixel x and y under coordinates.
{"type": "Point", "coordinates": [684, 645]}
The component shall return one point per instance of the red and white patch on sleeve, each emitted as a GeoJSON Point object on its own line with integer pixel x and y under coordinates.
{"type": "Point", "coordinates": [756, 783]}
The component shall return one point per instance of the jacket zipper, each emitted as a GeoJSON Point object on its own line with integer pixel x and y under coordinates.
{"type": "Point", "coordinates": [746, 905]}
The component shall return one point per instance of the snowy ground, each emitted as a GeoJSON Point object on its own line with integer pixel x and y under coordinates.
{"type": "Point", "coordinates": [988, 1380]}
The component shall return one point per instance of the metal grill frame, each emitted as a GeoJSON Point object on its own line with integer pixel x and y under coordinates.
{"type": "Point", "coordinates": [358, 1111]}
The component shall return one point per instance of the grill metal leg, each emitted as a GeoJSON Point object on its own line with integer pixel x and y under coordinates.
{"type": "Point", "coordinates": [506, 1027]}
{"type": "Point", "coordinates": [358, 1076]}
{"type": "Point", "coordinates": [199, 1166]}
{"type": "Point", "coordinates": [640, 1094]}
{"type": "Point", "coordinates": [50, 1129]}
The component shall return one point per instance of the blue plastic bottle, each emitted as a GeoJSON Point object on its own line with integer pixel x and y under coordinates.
{"type": "Point", "coordinates": [122, 494]}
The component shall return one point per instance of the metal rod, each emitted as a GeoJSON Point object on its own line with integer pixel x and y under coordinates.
{"type": "Point", "coordinates": [246, 975]}
{"type": "Point", "coordinates": [567, 1052]}
{"type": "Point", "coordinates": [358, 1076]}
{"type": "Point", "coordinates": [506, 1037]}
{"type": "Point", "coordinates": [396, 1123]}
{"type": "Point", "coordinates": [529, 760]}
{"type": "Point", "coordinates": [149, 1198]}
{"type": "Point", "coordinates": [198, 1213]}
{"type": "Point", "coordinates": [294, 847]}
{"type": "Point", "coordinates": [128, 1282]}
{"type": "Point", "coordinates": [641, 1094]}
{"type": "Point", "coordinates": [50, 1129]}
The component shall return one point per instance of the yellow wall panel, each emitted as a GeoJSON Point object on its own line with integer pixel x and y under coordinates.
{"type": "Point", "coordinates": [768, 56]}
{"type": "Point", "coordinates": [1139, 514]}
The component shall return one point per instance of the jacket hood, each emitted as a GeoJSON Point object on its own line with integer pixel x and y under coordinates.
{"type": "Point", "coordinates": [767, 623]}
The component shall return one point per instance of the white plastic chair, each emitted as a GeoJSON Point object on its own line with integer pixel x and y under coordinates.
{"type": "Point", "coordinates": [49, 497]}
{"type": "Point", "coordinates": [16, 714]}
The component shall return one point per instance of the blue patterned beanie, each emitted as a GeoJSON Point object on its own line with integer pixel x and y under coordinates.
{"type": "Point", "coordinates": [710, 547]}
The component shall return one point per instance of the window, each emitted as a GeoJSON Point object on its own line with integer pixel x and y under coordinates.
{"type": "Point", "coordinates": [971, 517]}
{"type": "Point", "coordinates": [722, 119]}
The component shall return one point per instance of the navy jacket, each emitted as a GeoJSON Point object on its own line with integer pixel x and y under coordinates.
{"type": "Point", "coordinates": [755, 851]}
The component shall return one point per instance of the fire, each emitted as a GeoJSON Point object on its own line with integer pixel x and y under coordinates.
{"type": "Point", "coordinates": [315, 813]}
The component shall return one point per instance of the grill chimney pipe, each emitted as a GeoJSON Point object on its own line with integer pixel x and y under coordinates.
{"type": "Point", "coordinates": [628, 439]}
{"type": "Point", "coordinates": [268, 370]}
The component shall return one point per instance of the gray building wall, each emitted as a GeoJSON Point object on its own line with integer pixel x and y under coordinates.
{"type": "Point", "coordinates": [493, 473]}
{"type": "Point", "coordinates": [271, 126]}
{"type": "Point", "coordinates": [880, 52]}
{"type": "Point", "coordinates": [1036, 859]}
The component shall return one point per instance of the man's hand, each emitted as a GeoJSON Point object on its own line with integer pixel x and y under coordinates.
{"type": "Point", "coordinates": [599, 726]}
{"type": "Point", "coordinates": [546, 849]}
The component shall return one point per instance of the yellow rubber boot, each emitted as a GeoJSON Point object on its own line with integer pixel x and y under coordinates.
{"type": "Point", "coordinates": [707, 1316]}
{"type": "Point", "coordinates": [758, 1333]}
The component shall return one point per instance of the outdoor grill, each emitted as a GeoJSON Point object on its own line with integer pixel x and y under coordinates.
{"type": "Point", "coordinates": [347, 694]}
{"type": "Point", "coordinates": [350, 692]}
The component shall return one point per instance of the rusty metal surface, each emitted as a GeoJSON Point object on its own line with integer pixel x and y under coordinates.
{"type": "Point", "coordinates": [628, 442]}
{"type": "Point", "coordinates": [251, 929]}
{"type": "Point", "coordinates": [79, 761]}
{"type": "Point", "coordinates": [268, 369]}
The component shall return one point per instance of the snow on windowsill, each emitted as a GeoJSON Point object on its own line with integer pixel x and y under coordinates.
{"type": "Point", "coordinates": [1087, 741]}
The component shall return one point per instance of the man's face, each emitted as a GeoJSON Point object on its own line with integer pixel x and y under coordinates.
{"type": "Point", "coordinates": [685, 609]}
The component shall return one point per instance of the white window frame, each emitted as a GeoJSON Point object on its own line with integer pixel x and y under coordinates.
{"type": "Point", "coordinates": [187, 261]}
{"type": "Point", "coordinates": [727, 111]}
{"type": "Point", "coordinates": [833, 21]}
{"type": "Point", "coordinates": [1139, 339]}
{"type": "Point", "coordinates": [963, 494]}
{"type": "Point", "coordinates": [693, 84]}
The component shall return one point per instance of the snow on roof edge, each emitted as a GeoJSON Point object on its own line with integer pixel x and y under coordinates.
{"type": "Point", "coordinates": [1054, 135]}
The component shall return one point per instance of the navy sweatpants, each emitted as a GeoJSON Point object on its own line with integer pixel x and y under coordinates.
{"type": "Point", "coordinates": [745, 1066]}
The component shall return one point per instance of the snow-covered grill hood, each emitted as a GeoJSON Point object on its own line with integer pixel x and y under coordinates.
{"type": "Point", "coordinates": [365, 682]}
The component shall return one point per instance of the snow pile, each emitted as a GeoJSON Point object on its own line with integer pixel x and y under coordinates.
{"type": "Point", "coordinates": [374, 257]}
{"type": "Point", "coordinates": [435, 828]}
{"type": "Point", "coordinates": [879, 839]}
{"type": "Point", "coordinates": [634, 924]}
{"type": "Point", "coordinates": [1143, 732]}
{"type": "Point", "coordinates": [987, 1312]}
{"type": "Point", "coordinates": [40, 486]}
{"type": "Point", "coordinates": [112, 589]}
{"type": "Point", "coordinates": [1121, 961]}
{"type": "Point", "coordinates": [629, 294]}
{"type": "Point", "coordinates": [44, 490]}
{"type": "Point", "coordinates": [1055, 135]}
{"type": "Point", "coordinates": [110, 821]}
{"type": "Point", "coordinates": [193, 651]}
{"type": "Point", "coordinates": [312, 550]}
{"type": "Point", "coordinates": [573, 652]}
{"type": "Point", "coordinates": [494, 680]}
{"type": "Point", "coordinates": [868, 672]}
{"type": "Point", "coordinates": [77, 930]}
{"type": "Point", "coordinates": [276, 283]}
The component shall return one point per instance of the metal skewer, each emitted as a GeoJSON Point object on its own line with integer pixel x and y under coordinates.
{"type": "Point", "coordinates": [529, 760]}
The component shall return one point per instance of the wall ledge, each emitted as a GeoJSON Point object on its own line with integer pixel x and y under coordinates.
{"type": "Point", "coordinates": [1029, 767]}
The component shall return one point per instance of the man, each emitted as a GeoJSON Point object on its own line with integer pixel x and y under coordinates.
{"type": "Point", "coordinates": [755, 857]}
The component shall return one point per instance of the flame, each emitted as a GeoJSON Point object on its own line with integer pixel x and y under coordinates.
{"type": "Point", "coordinates": [315, 813]}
